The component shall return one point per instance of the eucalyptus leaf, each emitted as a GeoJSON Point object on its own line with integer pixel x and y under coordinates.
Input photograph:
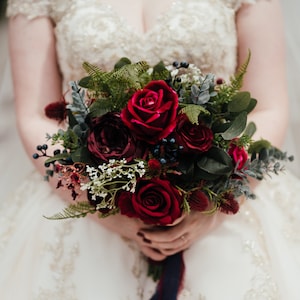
{"type": "Point", "coordinates": [205, 86]}
{"type": "Point", "coordinates": [57, 157]}
{"type": "Point", "coordinates": [252, 105]}
{"type": "Point", "coordinates": [239, 102]}
{"type": "Point", "coordinates": [216, 162]}
{"type": "Point", "coordinates": [195, 90]}
{"type": "Point", "coordinates": [236, 127]}
{"type": "Point", "coordinates": [203, 97]}
{"type": "Point", "coordinates": [82, 154]}
{"type": "Point", "coordinates": [250, 129]}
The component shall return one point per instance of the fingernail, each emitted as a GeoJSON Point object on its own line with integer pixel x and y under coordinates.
{"type": "Point", "coordinates": [140, 234]}
{"type": "Point", "coordinates": [146, 241]}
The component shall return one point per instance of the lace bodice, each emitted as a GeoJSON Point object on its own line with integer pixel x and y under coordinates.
{"type": "Point", "coordinates": [197, 31]}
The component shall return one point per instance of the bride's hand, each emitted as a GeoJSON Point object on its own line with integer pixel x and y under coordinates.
{"type": "Point", "coordinates": [132, 229]}
{"type": "Point", "coordinates": [173, 239]}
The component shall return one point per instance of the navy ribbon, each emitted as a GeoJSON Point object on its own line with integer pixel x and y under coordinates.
{"type": "Point", "coordinates": [170, 282]}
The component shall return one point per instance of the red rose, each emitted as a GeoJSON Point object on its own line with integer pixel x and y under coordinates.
{"type": "Point", "coordinates": [151, 112]}
{"type": "Point", "coordinates": [192, 137]}
{"type": "Point", "coordinates": [110, 139]}
{"type": "Point", "coordinates": [238, 154]}
{"type": "Point", "coordinates": [155, 201]}
{"type": "Point", "coordinates": [198, 200]}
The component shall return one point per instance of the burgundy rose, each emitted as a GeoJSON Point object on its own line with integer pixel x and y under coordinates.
{"type": "Point", "coordinates": [151, 111]}
{"type": "Point", "coordinates": [110, 139]}
{"type": "Point", "coordinates": [192, 137]}
{"type": "Point", "coordinates": [238, 154]}
{"type": "Point", "coordinates": [155, 201]}
{"type": "Point", "coordinates": [229, 205]}
{"type": "Point", "coordinates": [198, 200]}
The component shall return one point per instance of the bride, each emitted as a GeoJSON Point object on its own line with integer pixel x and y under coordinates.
{"type": "Point", "coordinates": [252, 255]}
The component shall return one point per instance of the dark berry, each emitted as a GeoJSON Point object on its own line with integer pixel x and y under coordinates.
{"type": "Point", "coordinates": [45, 147]}
{"type": "Point", "coordinates": [47, 165]}
{"type": "Point", "coordinates": [39, 147]}
{"type": "Point", "coordinates": [162, 161]}
{"type": "Point", "coordinates": [184, 64]}
{"type": "Point", "coordinates": [35, 156]}
{"type": "Point", "coordinates": [175, 64]}
{"type": "Point", "coordinates": [56, 152]}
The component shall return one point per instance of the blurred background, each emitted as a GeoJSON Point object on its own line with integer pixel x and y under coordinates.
{"type": "Point", "coordinates": [11, 148]}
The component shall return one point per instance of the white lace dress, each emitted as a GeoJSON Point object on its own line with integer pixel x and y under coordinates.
{"type": "Point", "coordinates": [252, 255]}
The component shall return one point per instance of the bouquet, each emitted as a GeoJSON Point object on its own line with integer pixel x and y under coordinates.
{"type": "Point", "coordinates": [154, 142]}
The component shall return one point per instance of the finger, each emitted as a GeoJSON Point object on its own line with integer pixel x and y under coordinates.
{"type": "Point", "coordinates": [178, 245]}
{"type": "Point", "coordinates": [166, 235]}
{"type": "Point", "coordinates": [152, 253]}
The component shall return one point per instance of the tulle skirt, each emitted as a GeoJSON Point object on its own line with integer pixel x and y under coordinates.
{"type": "Point", "coordinates": [252, 255]}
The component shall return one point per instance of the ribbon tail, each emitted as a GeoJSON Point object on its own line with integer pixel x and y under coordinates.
{"type": "Point", "coordinates": [171, 280]}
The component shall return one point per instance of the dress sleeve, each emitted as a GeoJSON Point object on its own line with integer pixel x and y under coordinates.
{"type": "Point", "coordinates": [29, 8]}
{"type": "Point", "coordinates": [236, 4]}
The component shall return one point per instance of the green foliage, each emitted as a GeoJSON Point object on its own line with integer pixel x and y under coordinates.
{"type": "Point", "coordinates": [113, 89]}
{"type": "Point", "coordinates": [160, 72]}
{"type": "Point", "coordinates": [193, 112]}
{"type": "Point", "coordinates": [236, 127]}
{"type": "Point", "coordinates": [76, 210]}
{"type": "Point", "coordinates": [237, 80]}
{"type": "Point", "coordinates": [68, 139]}
{"type": "Point", "coordinates": [77, 110]}
{"type": "Point", "coordinates": [216, 162]}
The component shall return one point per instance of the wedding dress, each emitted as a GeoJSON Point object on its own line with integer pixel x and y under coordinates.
{"type": "Point", "coordinates": [252, 255]}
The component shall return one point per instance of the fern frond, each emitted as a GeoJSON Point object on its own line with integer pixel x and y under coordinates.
{"type": "Point", "coordinates": [77, 210]}
{"type": "Point", "coordinates": [92, 70]}
{"type": "Point", "coordinates": [237, 79]}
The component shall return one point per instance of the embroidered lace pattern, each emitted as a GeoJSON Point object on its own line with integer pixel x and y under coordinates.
{"type": "Point", "coordinates": [202, 32]}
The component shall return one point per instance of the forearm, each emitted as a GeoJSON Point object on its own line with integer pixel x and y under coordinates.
{"type": "Point", "coordinates": [260, 30]}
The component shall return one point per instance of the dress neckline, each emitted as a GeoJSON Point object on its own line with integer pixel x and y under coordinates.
{"type": "Point", "coordinates": [159, 19]}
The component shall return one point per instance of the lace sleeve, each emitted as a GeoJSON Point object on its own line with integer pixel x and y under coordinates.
{"type": "Point", "coordinates": [236, 4]}
{"type": "Point", "coordinates": [29, 8]}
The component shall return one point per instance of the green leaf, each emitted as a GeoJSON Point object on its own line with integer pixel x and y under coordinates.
{"type": "Point", "coordinates": [82, 155]}
{"type": "Point", "coordinates": [61, 156]}
{"type": "Point", "coordinates": [215, 162]}
{"type": "Point", "coordinates": [236, 128]}
{"type": "Point", "coordinates": [258, 146]}
{"type": "Point", "coordinates": [193, 111]}
{"type": "Point", "coordinates": [252, 105]}
{"type": "Point", "coordinates": [122, 62]}
{"type": "Point", "coordinates": [250, 129]}
{"type": "Point", "coordinates": [100, 107]}
{"type": "Point", "coordinates": [239, 102]}
{"type": "Point", "coordinates": [160, 72]}
{"type": "Point", "coordinates": [85, 82]}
